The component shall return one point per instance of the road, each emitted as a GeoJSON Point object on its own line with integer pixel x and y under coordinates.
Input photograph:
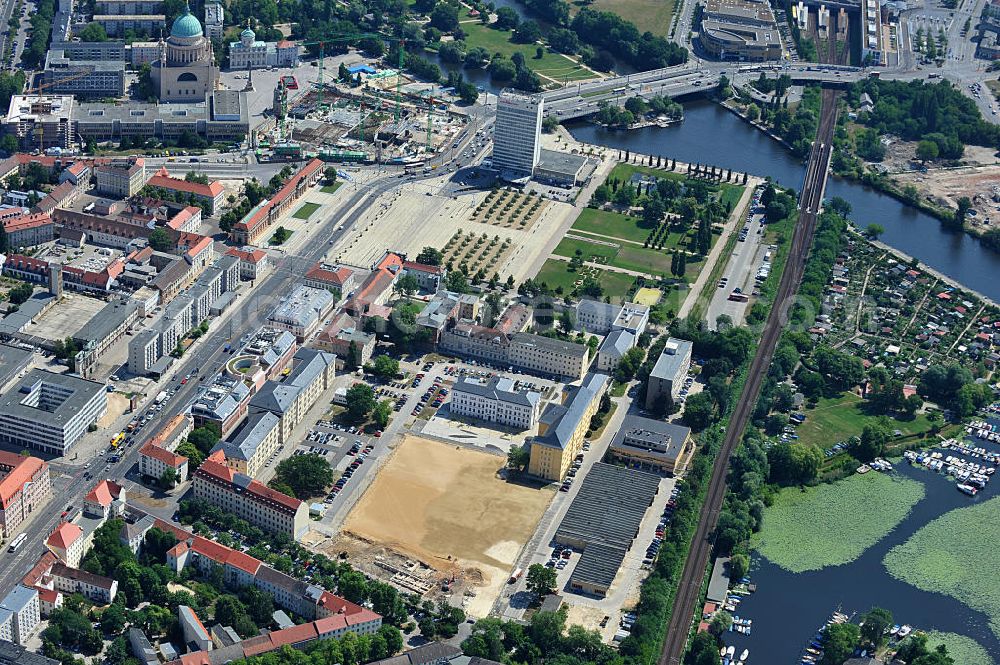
{"type": "Point", "coordinates": [207, 357]}
{"type": "Point", "coordinates": [689, 586]}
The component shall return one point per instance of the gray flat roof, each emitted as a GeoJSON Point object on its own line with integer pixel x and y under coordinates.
{"type": "Point", "coordinates": [251, 433]}
{"type": "Point", "coordinates": [550, 343]}
{"type": "Point", "coordinates": [561, 162]}
{"type": "Point", "coordinates": [669, 365]}
{"type": "Point", "coordinates": [598, 565]}
{"type": "Point", "coordinates": [73, 394]}
{"type": "Point", "coordinates": [12, 361]}
{"type": "Point", "coordinates": [654, 437]}
{"type": "Point", "coordinates": [102, 324]}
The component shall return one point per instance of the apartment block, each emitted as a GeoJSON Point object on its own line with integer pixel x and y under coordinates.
{"type": "Point", "coordinates": [100, 589]}
{"type": "Point", "coordinates": [548, 356]}
{"type": "Point", "coordinates": [20, 613]}
{"type": "Point", "coordinates": [121, 178]}
{"type": "Point", "coordinates": [496, 401]}
{"type": "Point", "coordinates": [66, 542]}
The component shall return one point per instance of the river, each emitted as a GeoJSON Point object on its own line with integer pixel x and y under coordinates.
{"type": "Point", "coordinates": [713, 135]}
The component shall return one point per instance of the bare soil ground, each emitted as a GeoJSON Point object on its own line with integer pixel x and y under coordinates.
{"type": "Point", "coordinates": [947, 186]}
{"type": "Point", "coordinates": [446, 507]}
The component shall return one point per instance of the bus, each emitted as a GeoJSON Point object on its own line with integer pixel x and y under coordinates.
{"type": "Point", "coordinates": [17, 542]}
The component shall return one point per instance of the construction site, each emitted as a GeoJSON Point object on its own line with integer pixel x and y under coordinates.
{"type": "Point", "coordinates": [440, 521]}
{"type": "Point", "coordinates": [381, 116]}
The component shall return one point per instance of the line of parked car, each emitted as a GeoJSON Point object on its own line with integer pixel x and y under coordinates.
{"type": "Point", "coordinates": [433, 397]}
{"type": "Point", "coordinates": [361, 454]}
{"type": "Point", "coordinates": [661, 528]}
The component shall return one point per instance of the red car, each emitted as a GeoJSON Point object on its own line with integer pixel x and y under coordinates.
{"type": "Point", "coordinates": [183, 381]}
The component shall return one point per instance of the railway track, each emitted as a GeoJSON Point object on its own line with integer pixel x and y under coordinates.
{"type": "Point", "coordinates": [701, 547]}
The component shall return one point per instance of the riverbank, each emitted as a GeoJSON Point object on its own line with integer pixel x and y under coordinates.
{"type": "Point", "coordinates": [882, 183]}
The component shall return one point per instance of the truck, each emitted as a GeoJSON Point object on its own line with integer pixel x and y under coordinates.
{"type": "Point", "coordinates": [515, 576]}
{"type": "Point", "coordinates": [162, 395]}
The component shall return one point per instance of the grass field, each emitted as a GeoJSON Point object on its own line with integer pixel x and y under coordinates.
{"type": "Point", "coordinates": [330, 189]}
{"type": "Point", "coordinates": [728, 192]}
{"type": "Point", "coordinates": [957, 555]}
{"type": "Point", "coordinates": [833, 524]}
{"type": "Point", "coordinates": [306, 211]}
{"type": "Point", "coordinates": [556, 273]}
{"type": "Point", "coordinates": [553, 65]}
{"type": "Point", "coordinates": [652, 15]}
{"type": "Point", "coordinates": [961, 648]}
{"type": "Point", "coordinates": [612, 224]}
{"type": "Point", "coordinates": [840, 418]}
{"type": "Point", "coordinates": [442, 503]}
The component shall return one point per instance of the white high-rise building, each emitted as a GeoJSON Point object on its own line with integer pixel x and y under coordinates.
{"type": "Point", "coordinates": [517, 135]}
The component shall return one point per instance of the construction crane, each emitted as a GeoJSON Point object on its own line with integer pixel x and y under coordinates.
{"type": "Point", "coordinates": [37, 91]}
{"type": "Point", "coordinates": [351, 38]}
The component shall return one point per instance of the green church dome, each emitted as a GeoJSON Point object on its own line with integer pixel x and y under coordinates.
{"type": "Point", "coordinates": [186, 26]}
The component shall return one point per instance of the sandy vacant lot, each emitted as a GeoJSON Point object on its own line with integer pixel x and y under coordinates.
{"type": "Point", "coordinates": [947, 186]}
{"type": "Point", "coordinates": [443, 505]}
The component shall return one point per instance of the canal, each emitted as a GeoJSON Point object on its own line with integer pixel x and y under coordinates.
{"type": "Point", "coordinates": [712, 135]}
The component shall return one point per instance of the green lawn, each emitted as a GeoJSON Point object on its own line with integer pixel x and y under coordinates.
{"type": "Point", "coordinates": [652, 15]}
{"type": "Point", "coordinates": [957, 554]}
{"type": "Point", "coordinates": [553, 65]}
{"type": "Point", "coordinates": [306, 211]}
{"type": "Point", "coordinates": [728, 192]}
{"type": "Point", "coordinates": [330, 189]}
{"type": "Point", "coordinates": [613, 224]}
{"type": "Point", "coordinates": [840, 418]}
{"type": "Point", "coordinates": [627, 256]}
{"type": "Point", "coordinates": [833, 524]}
{"type": "Point", "coordinates": [556, 273]}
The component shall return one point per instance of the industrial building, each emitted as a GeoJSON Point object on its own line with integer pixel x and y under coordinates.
{"type": "Point", "coordinates": [50, 412]}
{"type": "Point", "coordinates": [603, 521]}
{"type": "Point", "coordinates": [517, 134]}
{"type": "Point", "coordinates": [669, 372]}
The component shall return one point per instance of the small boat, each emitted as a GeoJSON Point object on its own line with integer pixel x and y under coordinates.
{"type": "Point", "coordinates": [904, 631]}
{"type": "Point", "coordinates": [744, 655]}
{"type": "Point", "coordinates": [722, 652]}
{"type": "Point", "coordinates": [965, 489]}
{"type": "Point", "coordinates": [730, 651]}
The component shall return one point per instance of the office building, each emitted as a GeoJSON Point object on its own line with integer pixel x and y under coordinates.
{"type": "Point", "coordinates": [249, 499]}
{"type": "Point", "coordinates": [652, 445]}
{"type": "Point", "coordinates": [338, 280]}
{"type": "Point", "coordinates": [252, 444]}
{"type": "Point", "coordinates": [631, 318]}
{"type": "Point", "coordinates": [121, 178]}
{"type": "Point", "coordinates": [291, 398]}
{"type": "Point", "coordinates": [495, 401]}
{"type": "Point", "coordinates": [20, 612]}
{"type": "Point", "coordinates": [517, 134]}
{"type": "Point", "coordinates": [223, 403]}
{"type": "Point", "coordinates": [596, 317]}
{"type": "Point", "coordinates": [24, 488]}
{"type": "Point", "coordinates": [50, 412]}
{"type": "Point", "coordinates": [669, 372]}
{"type": "Point", "coordinates": [563, 427]}
{"type": "Point", "coordinates": [548, 357]}
{"type": "Point", "coordinates": [256, 222]}
{"type": "Point", "coordinates": [102, 332]}
{"type": "Point", "coordinates": [154, 462]}
{"type": "Point", "coordinates": [302, 311]}
{"type": "Point", "coordinates": [215, 21]}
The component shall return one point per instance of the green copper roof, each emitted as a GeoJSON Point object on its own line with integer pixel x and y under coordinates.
{"type": "Point", "coordinates": [186, 26]}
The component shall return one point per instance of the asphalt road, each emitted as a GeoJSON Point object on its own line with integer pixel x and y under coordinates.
{"type": "Point", "coordinates": [207, 357]}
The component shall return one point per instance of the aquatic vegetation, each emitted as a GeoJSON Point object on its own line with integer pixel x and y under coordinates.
{"type": "Point", "coordinates": [957, 554]}
{"type": "Point", "coordinates": [834, 524]}
{"type": "Point", "coordinates": [961, 648]}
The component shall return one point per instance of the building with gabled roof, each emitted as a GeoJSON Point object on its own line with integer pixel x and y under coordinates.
{"type": "Point", "coordinates": [24, 488]}
{"type": "Point", "coordinates": [338, 280]}
{"type": "Point", "coordinates": [241, 495]}
{"type": "Point", "coordinates": [562, 428]}
{"type": "Point", "coordinates": [212, 194]}
{"type": "Point", "coordinates": [97, 588]}
{"type": "Point", "coordinates": [66, 542]}
{"type": "Point", "coordinates": [497, 401]}
{"type": "Point", "coordinates": [106, 499]}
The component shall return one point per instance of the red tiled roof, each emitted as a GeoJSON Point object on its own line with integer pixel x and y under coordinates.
{"type": "Point", "coordinates": [40, 569]}
{"type": "Point", "coordinates": [224, 555]}
{"type": "Point", "coordinates": [28, 221]}
{"type": "Point", "coordinates": [284, 43]}
{"type": "Point", "coordinates": [104, 492]}
{"type": "Point", "coordinates": [194, 658]}
{"type": "Point", "coordinates": [22, 470]}
{"type": "Point", "coordinates": [26, 264]}
{"type": "Point", "coordinates": [261, 212]}
{"type": "Point", "coordinates": [50, 596]}
{"type": "Point", "coordinates": [321, 274]}
{"type": "Point", "coordinates": [256, 645]}
{"type": "Point", "coordinates": [294, 635]}
{"type": "Point", "coordinates": [181, 218]}
{"type": "Point", "coordinates": [199, 246]}
{"type": "Point", "coordinates": [422, 267]}
{"type": "Point", "coordinates": [247, 256]}
{"type": "Point", "coordinates": [376, 284]}
{"type": "Point", "coordinates": [163, 455]}
{"type": "Point", "coordinates": [77, 168]}
{"type": "Point", "coordinates": [165, 181]}
{"type": "Point", "coordinates": [390, 260]}
{"type": "Point", "coordinates": [178, 549]}
{"type": "Point", "coordinates": [64, 535]}
{"type": "Point", "coordinates": [220, 471]}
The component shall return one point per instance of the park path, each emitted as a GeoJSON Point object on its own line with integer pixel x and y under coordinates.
{"type": "Point", "coordinates": [609, 268]}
